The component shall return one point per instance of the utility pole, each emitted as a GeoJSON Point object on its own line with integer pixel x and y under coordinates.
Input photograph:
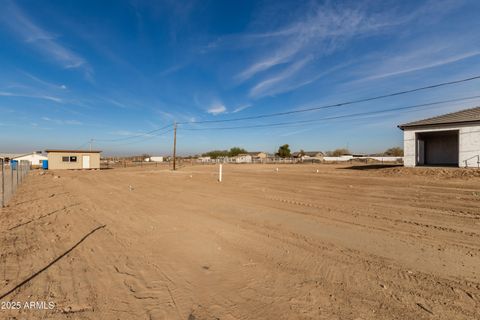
{"type": "Point", "coordinates": [91, 141]}
{"type": "Point", "coordinates": [174, 144]}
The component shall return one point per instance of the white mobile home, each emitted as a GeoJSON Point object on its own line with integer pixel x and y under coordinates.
{"type": "Point", "coordinates": [243, 158]}
{"type": "Point", "coordinates": [154, 159]}
{"type": "Point", "coordinates": [204, 159]}
{"type": "Point", "coordinates": [452, 139]}
{"type": "Point", "coordinates": [35, 158]}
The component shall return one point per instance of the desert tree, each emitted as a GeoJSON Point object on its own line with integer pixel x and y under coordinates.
{"type": "Point", "coordinates": [394, 152]}
{"type": "Point", "coordinates": [284, 151]}
{"type": "Point", "coordinates": [235, 151]}
{"type": "Point", "coordinates": [338, 152]}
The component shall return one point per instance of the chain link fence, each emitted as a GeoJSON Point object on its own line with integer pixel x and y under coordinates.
{"type": "Point", "coordinates": [12, 174]}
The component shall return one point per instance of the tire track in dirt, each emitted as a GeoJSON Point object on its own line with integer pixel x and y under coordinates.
{"type": "Point", "coordinates": [174, 235]}
{"type": "Point", "coordinates": [330, 274]}
{"type": "Point", "coordinates": [415, 223]}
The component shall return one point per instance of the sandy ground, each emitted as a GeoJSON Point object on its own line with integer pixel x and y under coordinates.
{"type": "Point", "coordinates": [294, 244]}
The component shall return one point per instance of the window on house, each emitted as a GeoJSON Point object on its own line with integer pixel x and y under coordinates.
{"type": "Point", "coordinates": [69, 159]}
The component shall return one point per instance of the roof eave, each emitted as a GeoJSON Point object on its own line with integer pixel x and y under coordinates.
{"type": "Point", "coordinates": [72, 151]}
{"type": "Point", "coordinates": [406, 126]}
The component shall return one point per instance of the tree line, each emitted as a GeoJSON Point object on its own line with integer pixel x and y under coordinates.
{"type": "Point", "coordinates": [285, 152]}
{"type": "Point", "coordinates": [233, 152]}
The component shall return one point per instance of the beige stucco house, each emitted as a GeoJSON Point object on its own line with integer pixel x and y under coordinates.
{"type": "Point", "coordinates": [258, 155]}
{"type": "Point", "coordinates": [73, 159]}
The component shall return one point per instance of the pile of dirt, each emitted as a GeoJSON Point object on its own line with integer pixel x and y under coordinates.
{"type": "Point", "coordinates": [435, 173]}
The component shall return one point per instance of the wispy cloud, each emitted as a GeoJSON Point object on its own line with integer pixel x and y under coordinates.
{"type": "Point", "coordinates": [217, 109]}
{"type": "Point", "coordinates": [265, 86]}
{"type": "Point", "coordinates": [172, 70]}
{"type": "Point", "coordinates": [62, 122]}
{"type": "Point", "coordinates": [45, 42]}
{"type": "Point", "coordinates": [116, 103]}
{"type": "Point", "coordinates": [127, 133]}
{"type": "Point", "coordinates": [415, 61]}
{"type": "Point", "coordinates": [242, 107]}
{"type": "Point", "coordinates": [283, 55]}
{"type": "Point", "coordinates": [44, 82]}
{"type": "Point", "coordinates": [289, 133]}
{"type": "Point", "coordinates": [43, 97]}
{"type": "Point", "coordinates": [320, 30]}
{"type": "Point", "coordinates": [317, 31]}
{"type": "Point", "coordinates": [165, 115]}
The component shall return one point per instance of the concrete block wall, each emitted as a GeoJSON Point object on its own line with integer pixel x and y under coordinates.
{"type": "Point", "coordinates": [469, 145]}
{"type": "Point", "coordinates": [409, 146]}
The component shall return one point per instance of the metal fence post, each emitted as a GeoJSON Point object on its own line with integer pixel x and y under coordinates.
{"type": "Point", "coordinates": [11, 177]}
{"type": "Point", "coordinates": [3, 183]}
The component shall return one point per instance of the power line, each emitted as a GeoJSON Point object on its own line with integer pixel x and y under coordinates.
{"type": "Point", "coordinates": [341, 104]}
{"type": "Point", "coordinates": [289, 123]}
{"type": "Point", "coordinates": [80, 147]}
{"type": "Point", "coordinates": [150, 137]}
{"type": "Point", "coordinates": [135, 136]}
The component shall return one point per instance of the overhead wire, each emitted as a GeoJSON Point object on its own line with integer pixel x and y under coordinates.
{"type": "Point", "coordinates": [80, 147]}
{"type": "Point", "coordinates": [298, 122]}
{"type": "Point", "coordinates": [135, 136]}
{"type": "Point", "coordinates": [145, 139]}
{"type": "Point", "coordinates": [340, 104]}
{"type": "Point", "coordinates": [288, 123]}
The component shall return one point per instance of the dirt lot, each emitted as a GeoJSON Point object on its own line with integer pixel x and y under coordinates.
{"type": "Point", "coordinates": [294, 244]}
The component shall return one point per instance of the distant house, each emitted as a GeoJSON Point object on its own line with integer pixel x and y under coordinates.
{"type": "Point", "coordinates": [314, 154]}
{"type": "Point", "coordinates": [35, 158]}
{"type": "Point", "coordinates": [9, 156]}
{"type": "Point", "coordinates": [450, 139]}
{"type": "Point", "coordinates": [154, 159]}
{"type": "Point", "coordinates": [204, 159]}
{"type": "Point", "coordinates": [309, 155]}
{"type": "Point", "coordinates": [258, 155]}
{"type": "Point", "coordinates": [73, 159]}
{"type": "Point", "coordinates": [243, 158]}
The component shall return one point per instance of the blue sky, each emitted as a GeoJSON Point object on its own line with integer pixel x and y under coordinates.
{"type": "Point", "coordinates": [111, 70]}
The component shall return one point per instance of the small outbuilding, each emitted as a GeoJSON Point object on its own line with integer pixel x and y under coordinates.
{"type": "Point", "coordinates": [451, 139]}
{"type": "Point", "coordinates": [73, 159]}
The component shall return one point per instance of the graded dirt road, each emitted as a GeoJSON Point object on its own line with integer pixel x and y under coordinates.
{"type": "Point", "coordinates": [294, 244]}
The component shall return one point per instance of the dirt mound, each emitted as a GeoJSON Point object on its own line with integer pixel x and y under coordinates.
{"type": "Point", "coordinates": [435, 173]}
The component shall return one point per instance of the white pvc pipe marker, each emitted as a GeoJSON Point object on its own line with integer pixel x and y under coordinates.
{"type": "Point", "coordinates": [220, 169]}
